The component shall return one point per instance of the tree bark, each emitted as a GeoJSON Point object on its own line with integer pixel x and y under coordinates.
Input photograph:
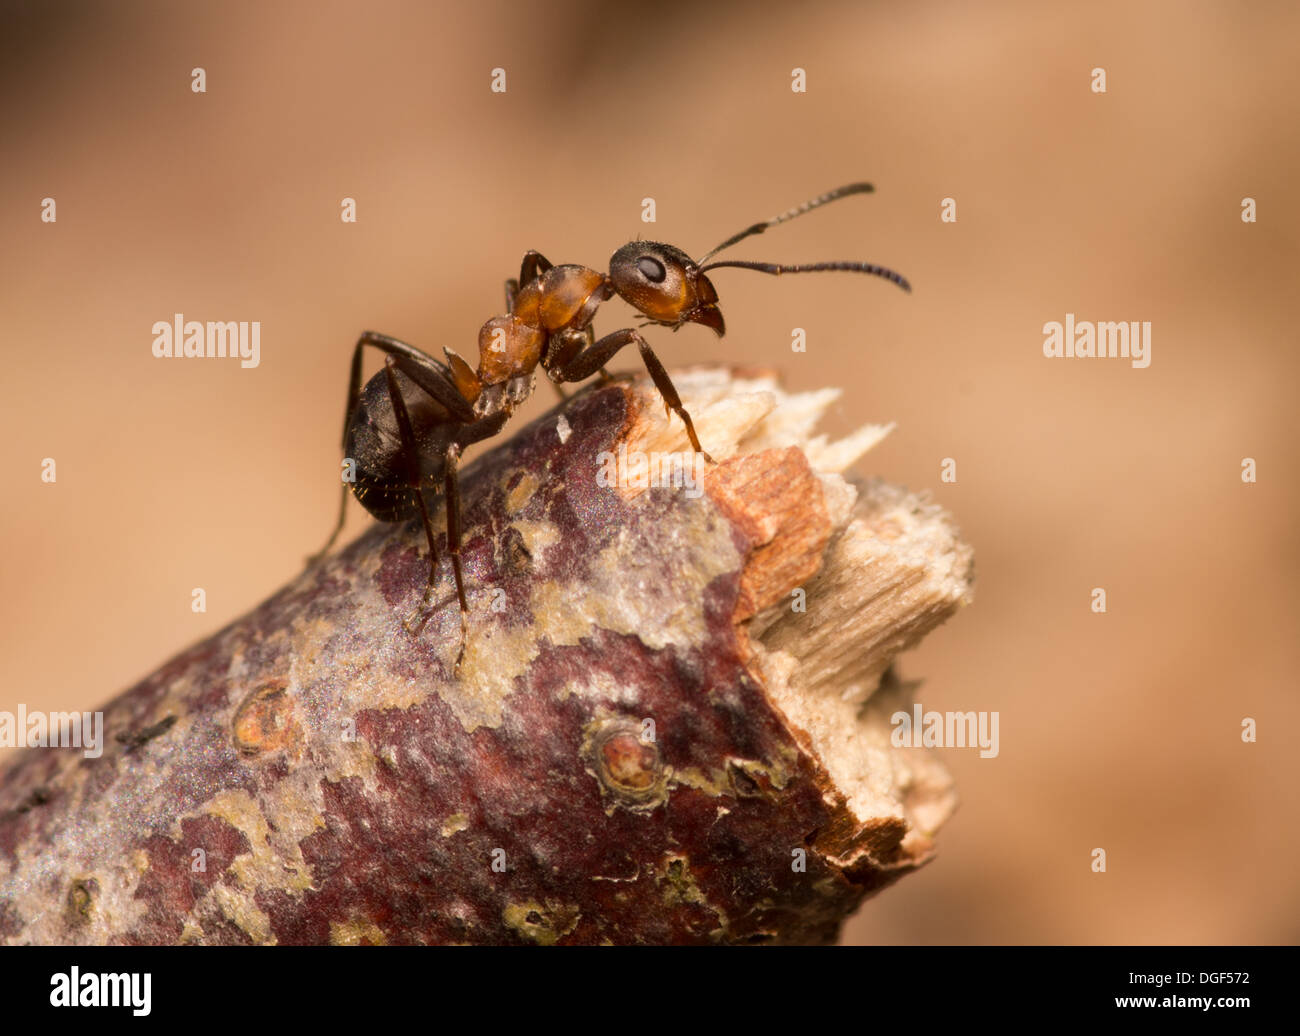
{"type": "Point", "coordinates": [671, 724]}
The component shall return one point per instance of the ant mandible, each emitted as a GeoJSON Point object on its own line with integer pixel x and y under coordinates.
{"type": "Point", "coordinates": [406, 428]}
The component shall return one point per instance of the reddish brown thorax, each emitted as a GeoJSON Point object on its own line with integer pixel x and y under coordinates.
{"type": "Point", "coordinates": [564, 298]}
{"type": "Point", "coordinates": [552, 312]}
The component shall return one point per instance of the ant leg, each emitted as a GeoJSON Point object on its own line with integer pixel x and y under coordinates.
{"type": "Point", "coordinates": [534, 265]}
{"type": "Point", "coordinates": [433, 376]}
{"type": "Point", "coordinates": [452, 491]}
{"type": "Point", "coordinates": [562, 346]}
{"type": "Point", "coordinates": [593, 358]}
{"type": "Point", "coordinates": [605, 376]}
{"type": "Point", "coordinates": [411, 461]}
{"type": "Point", "coordinates": [354, 394]}
{"type": "Point", "coordinates": [589, 335]}
{"type": "Point", "coordinates": [338, 527]}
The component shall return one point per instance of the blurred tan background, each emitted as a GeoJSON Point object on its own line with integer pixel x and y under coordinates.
{"type": "Point", "coordinates": [1119, 731]}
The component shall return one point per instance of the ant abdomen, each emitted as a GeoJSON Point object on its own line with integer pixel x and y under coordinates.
{"type": "Point", "coordinates": [375, 446]}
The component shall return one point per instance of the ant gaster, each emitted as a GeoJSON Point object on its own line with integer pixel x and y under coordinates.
{"type": "Point", "coordinates": [406, 428]}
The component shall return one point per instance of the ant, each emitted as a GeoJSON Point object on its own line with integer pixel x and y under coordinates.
{"type": "Point", "coordinates": [407, 427]}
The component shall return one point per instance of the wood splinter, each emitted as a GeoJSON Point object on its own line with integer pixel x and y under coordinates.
{"type": "Point", "coordinates": [670, 725]}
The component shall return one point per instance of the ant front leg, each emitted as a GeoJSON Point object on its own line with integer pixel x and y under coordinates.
{"type": "Point", "coordinates": [604, 375]}
{"type": "Point", "coordinates": [594, 357]}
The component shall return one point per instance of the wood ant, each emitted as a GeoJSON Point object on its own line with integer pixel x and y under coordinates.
{"type": "Point", "coordinates": [406, 429]}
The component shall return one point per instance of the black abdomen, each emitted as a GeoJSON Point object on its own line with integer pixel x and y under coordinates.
{"type": "Point", "coordinates": [383, 472]}
{"type": "Point", "coordinates": [374, 444]}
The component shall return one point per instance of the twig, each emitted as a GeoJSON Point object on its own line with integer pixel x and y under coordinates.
{"type": "Point", "coordinates": [671, 724]}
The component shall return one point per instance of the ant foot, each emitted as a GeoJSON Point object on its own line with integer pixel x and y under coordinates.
{"type": "Point", "coordinates": [464, 642]}
{"type": "Point", "coordinates": [423, 613]}
{"type": "Point", "coordinates": [315, 559]}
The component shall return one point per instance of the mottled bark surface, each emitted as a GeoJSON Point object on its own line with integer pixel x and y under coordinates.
{"type": "Point", "coordinates": [646, 742]}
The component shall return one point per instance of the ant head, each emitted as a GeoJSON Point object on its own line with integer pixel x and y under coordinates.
{"type": "Point", "coordinates": [669, 287]}
{"type": "Point", "coordinates": [665, 284]}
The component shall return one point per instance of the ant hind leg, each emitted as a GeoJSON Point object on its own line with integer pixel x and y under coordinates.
{"type": "Point", "coordinates": [410, 460]}
{"type": "Point", "coordinates": [452, 493]}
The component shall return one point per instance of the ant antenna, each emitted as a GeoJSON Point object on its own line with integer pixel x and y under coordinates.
{"type": "Point", "coordinates": [777, 268]}
{"type": "Point", "coordinates": [798, 210]}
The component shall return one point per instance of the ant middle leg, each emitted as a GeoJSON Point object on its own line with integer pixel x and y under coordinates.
{"type": "Point", "coordinates": [594, 357]}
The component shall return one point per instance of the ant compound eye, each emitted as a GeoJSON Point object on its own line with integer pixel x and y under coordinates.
{"type": "Point", "coordinates": [651, 269]}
